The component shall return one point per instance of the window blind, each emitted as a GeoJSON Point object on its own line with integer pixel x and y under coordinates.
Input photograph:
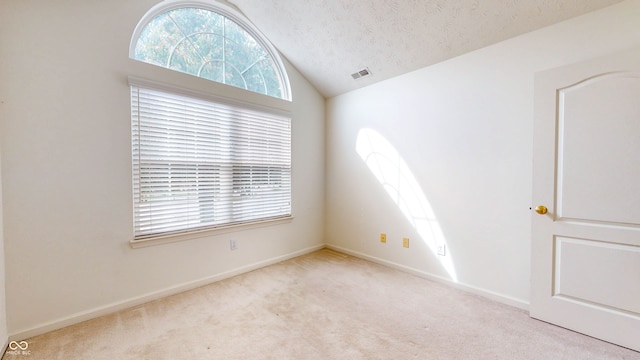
{"type": "Point", "coordinates": [200, 163]}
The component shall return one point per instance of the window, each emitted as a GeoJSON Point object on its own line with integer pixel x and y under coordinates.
{"type": "Point", "coordinates": [202, 161]}
{"type": "Point", "coordinates": [211, 43]}
{"type": "Point", "coordinates": [205, 162]}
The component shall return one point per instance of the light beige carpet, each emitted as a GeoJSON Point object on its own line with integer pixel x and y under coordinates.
{"type": "Point", "coordinates": [324, 305]}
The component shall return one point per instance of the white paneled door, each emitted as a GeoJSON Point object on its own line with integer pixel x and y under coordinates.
{"type": "Point", "coordinates": [585, 271]}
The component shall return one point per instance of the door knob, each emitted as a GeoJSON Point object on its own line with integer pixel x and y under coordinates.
{"type": "Point", "coordinates": [541, 209]}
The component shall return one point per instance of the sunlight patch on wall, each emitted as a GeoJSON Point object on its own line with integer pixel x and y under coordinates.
{"type": "Point", "coordinates": [394, 175]}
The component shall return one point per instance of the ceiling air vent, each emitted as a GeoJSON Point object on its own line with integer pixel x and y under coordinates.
{"type": "Point", "coordinates": [360, 74]}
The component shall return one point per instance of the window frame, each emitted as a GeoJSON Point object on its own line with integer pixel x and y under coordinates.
{"type": "Point", "coordinates": [227, 11]}
{"type": "Point", "coordinates": [161, 78]}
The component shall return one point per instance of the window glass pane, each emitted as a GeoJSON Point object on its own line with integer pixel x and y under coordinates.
{"type": "Point", "coordinates": [196, 21]}
{"type": "Point", "coordinates": [239, 46]}
{"type": "Point", "coordinates": [213, 70]}
{"type": "Point", "coordinates": [209, 46]}
{"type": "Point", "coordinates": [271, 78]}
{"type": "Point", "coordinates": [206, 44]}
{"type": "Point", "coordinates": [255, 80]}
{"type": "Point", "coordinates": [157, 40]}
{"type": "Point", "coordinates": [185, 58]}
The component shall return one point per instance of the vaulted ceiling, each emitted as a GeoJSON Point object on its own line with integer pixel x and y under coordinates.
{"type": "Point", "coordinates": [328, 40]}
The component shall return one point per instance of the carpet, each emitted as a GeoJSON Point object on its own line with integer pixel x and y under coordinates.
{"type": "Point", "coordinates": [324, 305]}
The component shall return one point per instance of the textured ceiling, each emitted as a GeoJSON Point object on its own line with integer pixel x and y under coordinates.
{"type": "Point", "coordinates": [328, 40]}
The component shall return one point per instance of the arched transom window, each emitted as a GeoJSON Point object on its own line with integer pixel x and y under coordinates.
{"type": "Point", "coordinates": [211, 43]}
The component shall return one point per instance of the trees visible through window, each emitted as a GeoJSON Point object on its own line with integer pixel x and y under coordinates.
{"type": "Point", "coordinates": [209, 45]}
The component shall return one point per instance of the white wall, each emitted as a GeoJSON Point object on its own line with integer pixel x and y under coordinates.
{"type": "Point", "coordinates": [66, 171]}
{"type": "Point", "coordinates": [464, 128]}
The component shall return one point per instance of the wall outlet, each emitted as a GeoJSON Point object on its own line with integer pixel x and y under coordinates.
{"type": "Point", "coordinates": [442, 250]}
{"type": "Point", "coordinates": [405, 242]}
{"type": "Point", "coordinates": [383, 238]}
{"type": "Point", "coordinates": [233, 244]}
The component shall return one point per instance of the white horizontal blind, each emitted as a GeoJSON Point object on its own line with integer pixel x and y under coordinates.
{"type": "Point", "coordinates": [199, 163]}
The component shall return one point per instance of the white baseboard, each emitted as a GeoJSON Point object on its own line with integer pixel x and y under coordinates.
{"type": "Point", "coordinates": [508, 300]}
{"type": "Point", "coordinates": [125, 304]}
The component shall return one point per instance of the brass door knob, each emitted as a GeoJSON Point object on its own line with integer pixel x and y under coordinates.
{"type": "Point", "coordinates": [541, 209]}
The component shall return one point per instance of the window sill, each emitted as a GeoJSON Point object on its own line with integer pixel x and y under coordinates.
{"type": "Point", "coordinates": [170, 238]}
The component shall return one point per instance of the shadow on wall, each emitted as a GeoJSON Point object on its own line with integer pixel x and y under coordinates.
{"type": "Point", "coordinates": [392, 172]}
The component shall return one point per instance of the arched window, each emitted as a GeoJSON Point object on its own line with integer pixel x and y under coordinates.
{"type": "Point", "coordinates": [211, 42]}
{"type": "Point", "coordinates": [202, 161]}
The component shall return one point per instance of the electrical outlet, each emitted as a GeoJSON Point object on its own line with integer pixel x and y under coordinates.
{"type": "Point", "coordinates": [405, 242]}
{"type": "Point", "coordinates": [233, 244]}
{"type": "Point", "coordinates": [383, 238]}
{"type": "Point", "coordinates": [442, 250]}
